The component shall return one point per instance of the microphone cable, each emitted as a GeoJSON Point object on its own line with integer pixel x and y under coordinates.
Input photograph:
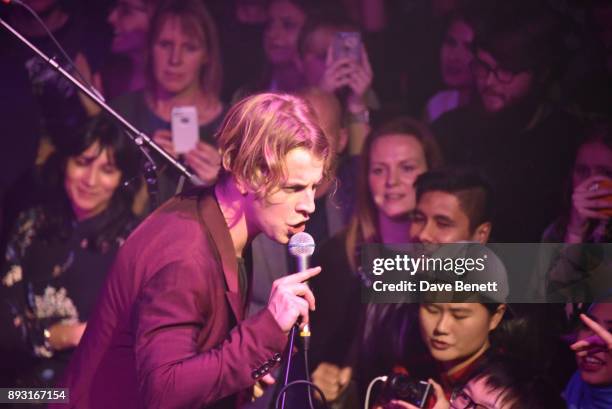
{"type": "Point", "coordinates": [369, 391]}
{"type": "Point", "coordinates": [301, 382]}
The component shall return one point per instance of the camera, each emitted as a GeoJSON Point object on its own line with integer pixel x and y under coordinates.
{"type": "Point", "coordinates": [406, 388]}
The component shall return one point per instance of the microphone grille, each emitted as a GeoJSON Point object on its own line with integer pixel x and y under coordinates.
{"type": "Point", "coordinates": [301, 244]}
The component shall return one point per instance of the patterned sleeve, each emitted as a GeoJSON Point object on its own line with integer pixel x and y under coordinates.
{"type": "Point", "coordinates": [20, 332]}
{"type": "Point", "coordinates": [19, 241]}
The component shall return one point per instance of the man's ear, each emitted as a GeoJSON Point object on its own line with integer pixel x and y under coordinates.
{"type": "Point", "coordinates": [482, 233]}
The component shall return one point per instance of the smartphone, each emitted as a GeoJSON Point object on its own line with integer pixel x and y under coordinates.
{"type": "Point", "coordinates": [607, 184]}
{"type": "Point", "coordinates": [185, 129]}
{"type": "Point", "coordinates": [347, 44]}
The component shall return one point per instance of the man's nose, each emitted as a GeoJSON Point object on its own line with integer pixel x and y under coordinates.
{"type": "Point", "coordinates": [425, 235]}
{"type": "Point", "coordinates": [307, 202]}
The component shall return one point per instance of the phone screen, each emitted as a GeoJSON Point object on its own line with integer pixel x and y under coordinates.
{"type": "Point", "coordinates": [347, 44]}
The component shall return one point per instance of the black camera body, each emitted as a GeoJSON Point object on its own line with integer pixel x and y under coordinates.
{"type": "Point", "coordinates": [406, 388]}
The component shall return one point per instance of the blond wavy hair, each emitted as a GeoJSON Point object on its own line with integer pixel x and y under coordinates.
{"type": "Point", "coordinates": [259, 131]}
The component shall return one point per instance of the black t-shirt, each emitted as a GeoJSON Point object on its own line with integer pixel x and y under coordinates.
{"type": "Point", "coordinates": [526, 152]}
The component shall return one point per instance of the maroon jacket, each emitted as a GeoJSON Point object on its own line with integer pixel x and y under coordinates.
{"type": "Point", "coordinates": [168, 329]}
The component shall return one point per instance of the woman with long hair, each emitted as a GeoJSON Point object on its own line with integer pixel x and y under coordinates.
{"type": "Point", "coordinates": [183, 69]}
{"type": "Point", "coordinates": [456, 56]}
{"type": "Point", "coordinates": [587, 210]}
{"type": "Point", "coordinates": [281, 71]}
{"type": "Point", "coordinates": [564, 272]}
{"type": "Point", "coordinates": [589, 386]}
{"type": "Point", "coordinates": [58, 254]}
{"type": "Point", "coordinates": [393, 157]}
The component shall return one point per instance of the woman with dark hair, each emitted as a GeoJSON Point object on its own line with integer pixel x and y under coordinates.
{"type": "Point", "coordinates": [587, 210]}
{"type": "Point", "coordinates": [282, 68]}
{"type": "Point", "coordinates": [486, 353]}
{"type": "Point", "coordinates": [456, 56]}
{"type": "Point", "coordinates": [59, 252]}
{"type": "Point", "coordinates": [565, 272]}
{"type": "Point", "coordinates": [451, 342]}
{"type": "Point", "coordinates": [589, 387]}
{"type": "Point", "coordinates": [183, 69]}
{"type": "Point", "coordinates": [505, 383]}
{"type": "Point", "coordinates": [393, 157]}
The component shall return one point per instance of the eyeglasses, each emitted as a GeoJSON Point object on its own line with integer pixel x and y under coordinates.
{"type": "Point", "coordinates": [481, 70]}
{"type": "Point", "coordinates": [461, 400]}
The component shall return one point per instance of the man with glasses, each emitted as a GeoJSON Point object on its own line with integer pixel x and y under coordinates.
{"type": "Point", "coordinates": [512, 132]}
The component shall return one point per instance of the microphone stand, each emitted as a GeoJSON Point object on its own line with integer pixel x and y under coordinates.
{"type": "Point", "coordinates": [139, 138]}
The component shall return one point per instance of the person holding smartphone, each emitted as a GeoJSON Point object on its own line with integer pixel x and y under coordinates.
{"type": "Point", "coordinates": [60, 250]}
{"type": "Point", "coordinates": [183, 72]}
{"type": "Point", "coordinates": [334, 59]}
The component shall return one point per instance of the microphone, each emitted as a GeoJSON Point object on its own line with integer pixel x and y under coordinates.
{"type": "Point", "coordinates": [302, 246]}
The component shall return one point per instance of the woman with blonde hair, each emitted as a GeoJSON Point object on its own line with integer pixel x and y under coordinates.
{"type": "Point", "coordinates": [183, 69]}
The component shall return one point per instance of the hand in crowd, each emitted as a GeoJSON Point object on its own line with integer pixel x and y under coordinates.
{"type": "Point", "coordinates": [331, 379]}
{"type": "Point", "coordinates": [441, 401]}
{"type": "Point", "coordinates": [601, 339]}
{"type": "Point", "coordinates": [348, 72]}
{"type": "Point", "coordinates": [588, 197]}
{"type": "Point", "coordinates": [82, 65]}
{"type": "Point", "coordinates": [291, 298]}
{"type": "Point", "coordinates": [588, 201]}
{"type": "Point", "coordinates": [65, 336]}
{"type": "Point", "coordinates": [205, 162]}
{"type": "Point", "coordinates": [204, 159]}
{"type": "Point", "coordinates": [163, 138]}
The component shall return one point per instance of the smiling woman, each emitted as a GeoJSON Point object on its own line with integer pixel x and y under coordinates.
{"type": "Point", "coordinates": [392, 158]}
{"type": "Point", "coordinates": [91, 180]}
{"type": "Point", "coordinates": [59, 252]}
{"type": "Point", "coordinates": [590, 385]}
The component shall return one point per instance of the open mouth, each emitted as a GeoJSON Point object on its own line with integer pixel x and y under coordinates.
{"type": "Point", "coordinates": [591, 363]}
{"type": "Point", "coordinates": [297, 228]}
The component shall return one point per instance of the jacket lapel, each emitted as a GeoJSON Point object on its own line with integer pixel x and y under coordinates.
{"type": "Point", "coordinates": [214, 222]}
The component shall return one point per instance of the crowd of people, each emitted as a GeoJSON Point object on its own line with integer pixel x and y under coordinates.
{"type": "Point", "coordinates": [357, 121]}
